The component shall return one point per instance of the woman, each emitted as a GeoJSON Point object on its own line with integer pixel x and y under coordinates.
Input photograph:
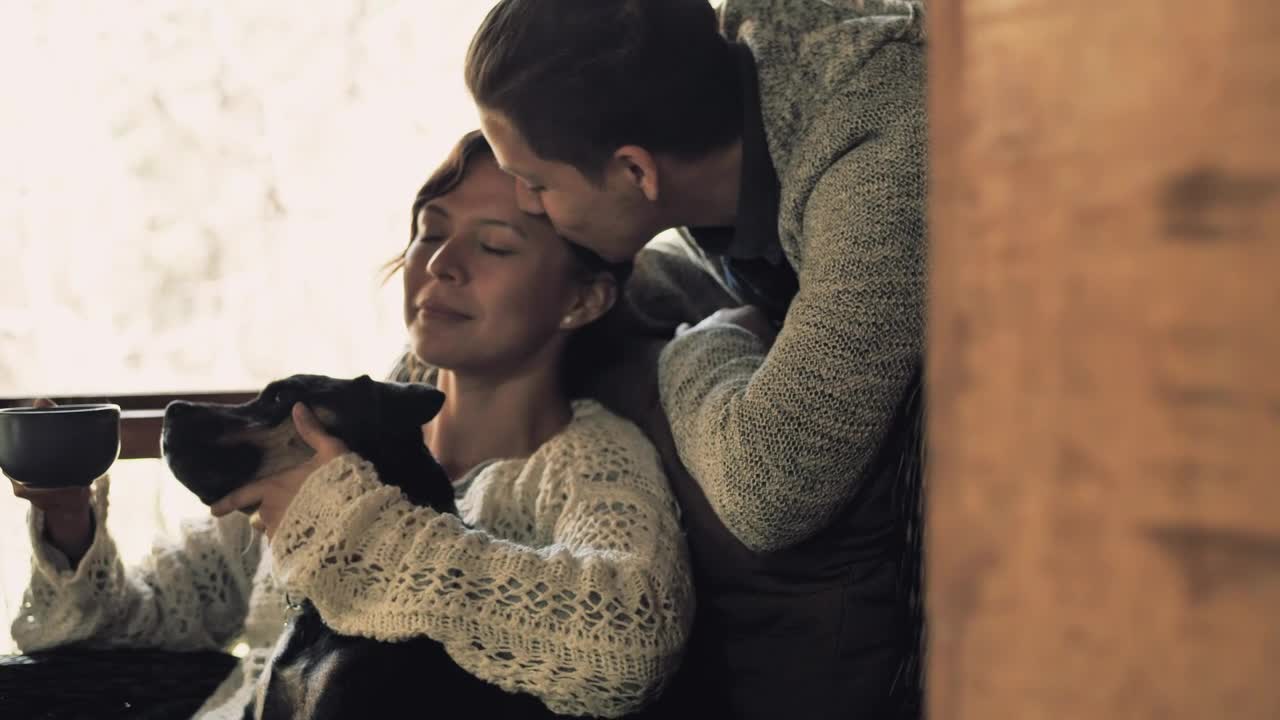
{"type": "Point", "coordinates": [574, 585]}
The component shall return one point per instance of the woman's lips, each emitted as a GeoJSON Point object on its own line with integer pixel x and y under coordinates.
{"type": "Point", "coordinates": [441, 311]}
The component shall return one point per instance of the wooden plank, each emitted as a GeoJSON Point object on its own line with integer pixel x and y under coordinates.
{"type": "Point", "coordinates": [141, 416]}
{"type": "Point", "coordinates": [1104, 507]}
{"type": "Point", "coordinates": [140, 433]}
{"type": "Point", "coordinates": [146, 401]}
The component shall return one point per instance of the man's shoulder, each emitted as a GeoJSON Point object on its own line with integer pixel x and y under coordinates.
{"type": "Point", "coordinates": [819, 59]}
{"type": "Point", "coordinates": [817, 48]}
{"type": "Point", "coordinates": [848, 26]}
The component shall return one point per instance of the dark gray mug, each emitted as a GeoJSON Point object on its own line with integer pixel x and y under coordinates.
{"type": "Point", "coordinates": [63, 446]}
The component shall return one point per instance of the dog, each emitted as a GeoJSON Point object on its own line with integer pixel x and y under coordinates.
{"type": "Point", "coordinates": [316, 673]}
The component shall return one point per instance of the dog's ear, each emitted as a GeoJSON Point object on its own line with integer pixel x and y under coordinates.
{"type": "Point", "coordinates": [414, 403]}
{"type": "Point", "coordinates": [370, 389]}
{"type": "Point", "coordinates": [361, 406]}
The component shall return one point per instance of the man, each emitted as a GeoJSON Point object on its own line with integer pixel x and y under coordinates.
{"type": "Point", "coordinates": [789, 137]}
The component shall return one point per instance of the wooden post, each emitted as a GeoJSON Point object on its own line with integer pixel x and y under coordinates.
{"type": "Point", "coordinates": [1104, 481]}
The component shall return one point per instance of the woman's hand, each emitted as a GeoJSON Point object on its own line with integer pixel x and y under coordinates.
{"type": "Point", "coordinates": [68, 517]}
{"type": "Point", "coordinates": [748, 317]}
{"type": "Point", "coordinates": [272, 494]}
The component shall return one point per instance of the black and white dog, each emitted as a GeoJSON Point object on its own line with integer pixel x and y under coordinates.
{"type": "Point", "coordinates": [316, 673]}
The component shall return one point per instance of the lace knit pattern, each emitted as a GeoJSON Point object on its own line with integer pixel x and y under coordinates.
{"type": "Point", "coordinates": [199, 591]}
{"type": "Point", "coordinates": [778, 438]}
{"type": "Point", "coordinates": [577, 589]}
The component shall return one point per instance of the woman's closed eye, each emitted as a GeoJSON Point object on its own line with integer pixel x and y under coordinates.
{"type": "Point", "coordinates": [497, 239]}
{"type": "Point", "coordinates": [495, 250]}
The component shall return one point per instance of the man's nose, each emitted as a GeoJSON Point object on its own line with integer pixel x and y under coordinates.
{"type": "Point", "coordinates": [528, 201]}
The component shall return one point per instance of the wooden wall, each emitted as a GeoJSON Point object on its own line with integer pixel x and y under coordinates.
{"type": "Point", "coordinates": [1104, 507]}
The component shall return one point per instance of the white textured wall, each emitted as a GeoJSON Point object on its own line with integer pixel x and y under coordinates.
{"type": "Point", "coordinates": [198, 195]}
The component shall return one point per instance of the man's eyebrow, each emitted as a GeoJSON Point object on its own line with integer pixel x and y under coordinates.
{"type": "Point", "coordinates": [517, 174]}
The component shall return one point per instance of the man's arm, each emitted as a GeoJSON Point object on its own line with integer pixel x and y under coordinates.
{"type": "Point", "coordinates": [779, 439]}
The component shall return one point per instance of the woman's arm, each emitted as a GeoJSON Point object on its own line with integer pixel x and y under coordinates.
{"type": "Point", "coordinates": [188, 594]}
{"type": "Point", "coordinates": [592, 622]}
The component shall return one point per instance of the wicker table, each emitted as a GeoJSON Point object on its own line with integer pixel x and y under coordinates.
{"type": "Point", "coordinates": [76, 683]}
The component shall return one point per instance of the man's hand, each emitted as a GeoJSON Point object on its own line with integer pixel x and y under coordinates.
{"type": "Point", "coordinates": [272, 494]}
{"type": "Point", "coordinates": [748, 317]}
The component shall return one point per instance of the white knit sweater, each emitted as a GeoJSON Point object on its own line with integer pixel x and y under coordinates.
{"type": "Point", "coordinates": [574, 585]}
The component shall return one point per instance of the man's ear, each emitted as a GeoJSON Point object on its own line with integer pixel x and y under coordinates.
{"type": "Point", "coordinates": [636, 167]}
{"type": "Point", "coordinates": [594, 299]}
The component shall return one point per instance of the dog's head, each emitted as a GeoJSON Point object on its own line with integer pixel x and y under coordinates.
{"type": "Point", "coordinates": [213, 449]}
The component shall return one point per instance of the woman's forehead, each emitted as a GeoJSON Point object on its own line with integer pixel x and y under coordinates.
{"type": "Point", "coordinates": [482, 185]}
{"type": "Point", "coordinates": [486, 192]}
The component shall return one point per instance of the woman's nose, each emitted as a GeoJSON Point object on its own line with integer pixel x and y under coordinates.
{"type": "Point", "coordinates": [446, 263]}
{"type": "Point", "coordinates": [528, 201]}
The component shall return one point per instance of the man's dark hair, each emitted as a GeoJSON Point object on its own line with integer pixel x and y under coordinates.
{"type": "Point", "coordinates": [581, 78]}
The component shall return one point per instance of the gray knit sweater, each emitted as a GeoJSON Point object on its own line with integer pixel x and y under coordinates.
{"type": "Point", "coordinates": [780, 438]}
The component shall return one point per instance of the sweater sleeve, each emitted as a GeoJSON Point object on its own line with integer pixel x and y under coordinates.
{"type": "Point", "coordinates": [188, 594]}
{"type": "Point", "coordinates": [779, 439]}
{"type": "Point", "coordinates": [592, 622]}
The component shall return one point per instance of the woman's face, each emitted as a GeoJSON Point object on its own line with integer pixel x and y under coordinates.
{"type": "Point", "coordinates": [486, 286]}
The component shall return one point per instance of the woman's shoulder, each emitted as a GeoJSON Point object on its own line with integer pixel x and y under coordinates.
{"type": "Point", "coordinates": [592, 419]}
{"type": "Point", "coordinates": [601, 451]}
{"type": "Point", "coordinates": [598, 435]}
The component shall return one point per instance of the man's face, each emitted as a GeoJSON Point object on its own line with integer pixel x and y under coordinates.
{"type": "Point", "coordinates": [608, 218]}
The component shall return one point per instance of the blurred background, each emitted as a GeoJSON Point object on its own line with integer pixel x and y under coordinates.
{"type": "Point", "coordinates": [199, 197]}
